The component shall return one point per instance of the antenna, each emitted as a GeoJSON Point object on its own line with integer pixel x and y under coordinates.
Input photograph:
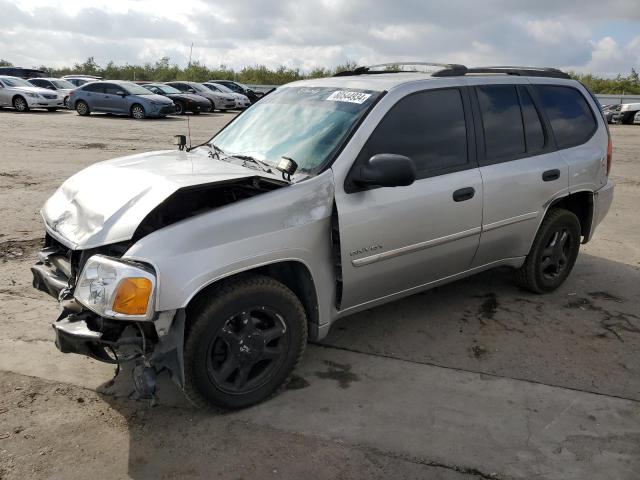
{"type": "Point", "coordinates": [188, 116]}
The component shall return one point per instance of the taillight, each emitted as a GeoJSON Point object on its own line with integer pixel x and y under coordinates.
{"type": "Point", "coordinates": [609, 155]}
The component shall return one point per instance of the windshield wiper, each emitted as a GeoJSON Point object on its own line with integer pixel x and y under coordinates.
{"type": "Point", "coordinates": [217, 151]}
{"type": "Point", "coordinates": [264, 166]}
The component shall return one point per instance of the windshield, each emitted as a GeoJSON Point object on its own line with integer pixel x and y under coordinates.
{"type": "Point", "coordinates": [222, 88]}
{"type": "Point", "coordinates": [135, 89]}
{"type": "Point", "coordinates": [166, 89]}
{"type": "Point", "coordinates": [62, 84]}
{"type": "Point", "coordinates": [198, 88]}
{"type": "Point", "coordinates": [15, 82]}
{"type": "Point", "coordinates": [302, 123]}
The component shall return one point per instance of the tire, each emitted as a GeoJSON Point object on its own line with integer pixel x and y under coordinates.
{"type": "Point", "coordinates": [180, 108]}
{"type": "Point", "coordinates": [20, 104]}
{"type": "Point", "coordinates": [65, 102]}
{"type": "Point", "coordinates": [82, 108]}
{"type": "Point", "coordinates": [137, 111]}
{"type": "Point", "coordinates": [553, 254]}
{"type": "Point", "coordinates": [51, 109]}
{"type": "Point", "coordinates": [243, 343]}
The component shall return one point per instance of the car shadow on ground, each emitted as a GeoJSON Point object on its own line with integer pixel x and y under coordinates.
{"type": "Point", "coordinates": [584, 336]}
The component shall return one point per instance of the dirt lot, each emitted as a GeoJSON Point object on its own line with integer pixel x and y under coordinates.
{"type": "Point", "coordinates": [477, 379]}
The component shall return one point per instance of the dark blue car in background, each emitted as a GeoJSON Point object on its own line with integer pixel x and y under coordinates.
{"type": "Point", "coordinates": [119, 97]}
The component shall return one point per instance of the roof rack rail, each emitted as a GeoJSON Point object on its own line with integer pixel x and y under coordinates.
{"type": "Point", "coordinates": [445, 69]}
{"type": "Point", "coordinates": [455, 70]}
{"type": "Point", "coordinates": [521, 71]}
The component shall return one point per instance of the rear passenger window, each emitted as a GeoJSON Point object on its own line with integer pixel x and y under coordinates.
{"type": "Point", "coordinates": [94, 87]}
{"type": "Point", "coordinates": [533, 131]}
{"type": "Point", "coordinates": [571, 118]}
{"type": "Point", "coordinates": [428, 127]}
{"type": "Point", "coordinates": [502, 121]}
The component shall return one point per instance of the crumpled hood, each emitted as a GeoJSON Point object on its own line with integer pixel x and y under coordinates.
{"type": "Point", "coordinates": [106, 202]}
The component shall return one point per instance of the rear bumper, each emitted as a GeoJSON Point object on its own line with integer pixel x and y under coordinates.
{"type": "Point", "coordinates": [602, 200]}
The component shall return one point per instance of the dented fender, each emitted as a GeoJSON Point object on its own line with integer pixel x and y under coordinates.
{"type": "Point", "coordinates": [286, 224]}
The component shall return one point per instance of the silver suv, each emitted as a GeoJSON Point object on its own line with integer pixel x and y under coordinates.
{"type": "Point", "coordinates": [328, 197]}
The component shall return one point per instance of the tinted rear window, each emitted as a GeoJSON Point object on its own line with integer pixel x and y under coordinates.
{"type": "Point", "coordinates": [428, 127]}
{"type": "Point", "coordinates": [502, 120]}
{"type": "Point", "coordinates": [571, 118]}
{"type": "Point", "coordinates": [94, 87]}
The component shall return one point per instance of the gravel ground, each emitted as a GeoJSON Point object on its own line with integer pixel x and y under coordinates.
{"type": "Point", "coordinates": [582, 340]}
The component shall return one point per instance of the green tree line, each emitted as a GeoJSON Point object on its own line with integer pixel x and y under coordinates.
{"type": "Point", "coordinates": [163, 71]}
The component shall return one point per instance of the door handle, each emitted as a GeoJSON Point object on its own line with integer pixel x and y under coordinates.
{"type": "Point", "coordinates": [551, 175]}
{"type": "Point", "coordinates": [463, 194]}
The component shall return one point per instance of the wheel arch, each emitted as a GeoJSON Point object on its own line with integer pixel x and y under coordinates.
{"type": "Point", "coordinates": [16, 95]}
{"type": "Point", "coordinates": [580, 203]}
{"type": "Point", "coordinates": [294, 274]}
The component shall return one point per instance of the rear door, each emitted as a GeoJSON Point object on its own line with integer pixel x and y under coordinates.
{"type": "Point", "coordinates": [522, 171]}
{"type": "Point", "coordinates": [93, 93]}
{"type": "Point", "coordinates": [395, 240]}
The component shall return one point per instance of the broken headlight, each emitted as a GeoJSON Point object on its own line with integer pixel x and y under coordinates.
{"type": "Point", "coordinates": [115, 289]}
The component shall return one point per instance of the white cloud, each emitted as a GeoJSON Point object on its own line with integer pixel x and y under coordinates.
{"type": "Point", "coordinates": [309, 33]}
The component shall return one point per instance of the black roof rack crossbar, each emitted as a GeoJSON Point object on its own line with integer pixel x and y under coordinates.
{"type": "Point", "coordinates": [445, 69]}
{"type": "Point", "coordinates": [455, 70]}
{"type": "Point", "coordinates": [521, 71]}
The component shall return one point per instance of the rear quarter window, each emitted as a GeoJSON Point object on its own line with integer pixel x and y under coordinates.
{"type": "Point", "coordinates": [571, 118]}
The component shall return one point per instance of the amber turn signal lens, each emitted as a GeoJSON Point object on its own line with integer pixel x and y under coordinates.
{"type": "Point", "coordinates": [132, 296]}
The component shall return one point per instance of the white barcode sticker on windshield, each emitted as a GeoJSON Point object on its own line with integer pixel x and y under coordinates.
{"type": "Point", "coordinates": [347, 96]}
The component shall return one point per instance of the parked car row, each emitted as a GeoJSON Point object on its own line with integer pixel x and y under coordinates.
{"type": "Point", "coordinates": [87, 94]}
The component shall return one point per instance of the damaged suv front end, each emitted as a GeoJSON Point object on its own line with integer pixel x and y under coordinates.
{"type": "Point", "coordinates": [109, 299]}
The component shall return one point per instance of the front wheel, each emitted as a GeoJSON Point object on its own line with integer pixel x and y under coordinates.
{"type": "Point", "coordinates": [553, 254]}
{"type": "Point", "coordinates": [244, 341]}
{"type": "Point", "coordinates": [137, 112]}
{"type": "Point", "coordinates": [20, 104]}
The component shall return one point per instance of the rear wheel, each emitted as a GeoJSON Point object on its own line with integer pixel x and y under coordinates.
{"type": "Point", "coordinates": [82, 108]}
{"type": "Point", "coordinates": [553, 254]}
{"type": "Point", "coordinates": [20, 104]}
{"type": "Point", "coordinates": [244, 341]}
{"type": "Point", "coordinates": [137, 111]}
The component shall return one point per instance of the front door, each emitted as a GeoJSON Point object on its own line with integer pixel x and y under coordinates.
{"type": "Point", "coordinates": [114, 100]}
{"type": "Point", "coordinates": [396, 240]}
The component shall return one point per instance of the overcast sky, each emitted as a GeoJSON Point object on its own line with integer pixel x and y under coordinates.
{"type": "Point", "coordinates": [601, 37]}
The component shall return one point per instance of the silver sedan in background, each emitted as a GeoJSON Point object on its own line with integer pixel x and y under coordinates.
{"type": "Point", "coordinates": [23, 96]}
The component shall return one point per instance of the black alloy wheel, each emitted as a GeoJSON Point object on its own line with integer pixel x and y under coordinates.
{"type": "Point", "coordinates": [247, 349]}
{"type": "Point", "coordinates": [553, 254]}
{"type": "Point", "coordinates": [244, 337]}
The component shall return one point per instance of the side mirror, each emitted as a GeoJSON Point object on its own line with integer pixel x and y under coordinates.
{"type": "Point", "coordinates": [190, 90]}
{"type": "Point", "coordinates": [385, 170]}
{"type": "Point", "coordinates": [121, 93]}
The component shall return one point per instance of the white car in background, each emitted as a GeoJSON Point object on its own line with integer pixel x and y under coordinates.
{"type": "Point", "coordinates": [60, 85]}
{"type": "Point", "coordinates": [21, 95]}
{"type": "Point", "coordinates": [79, 80]}
{"type": "Point", "coordinates": [242, 101]}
